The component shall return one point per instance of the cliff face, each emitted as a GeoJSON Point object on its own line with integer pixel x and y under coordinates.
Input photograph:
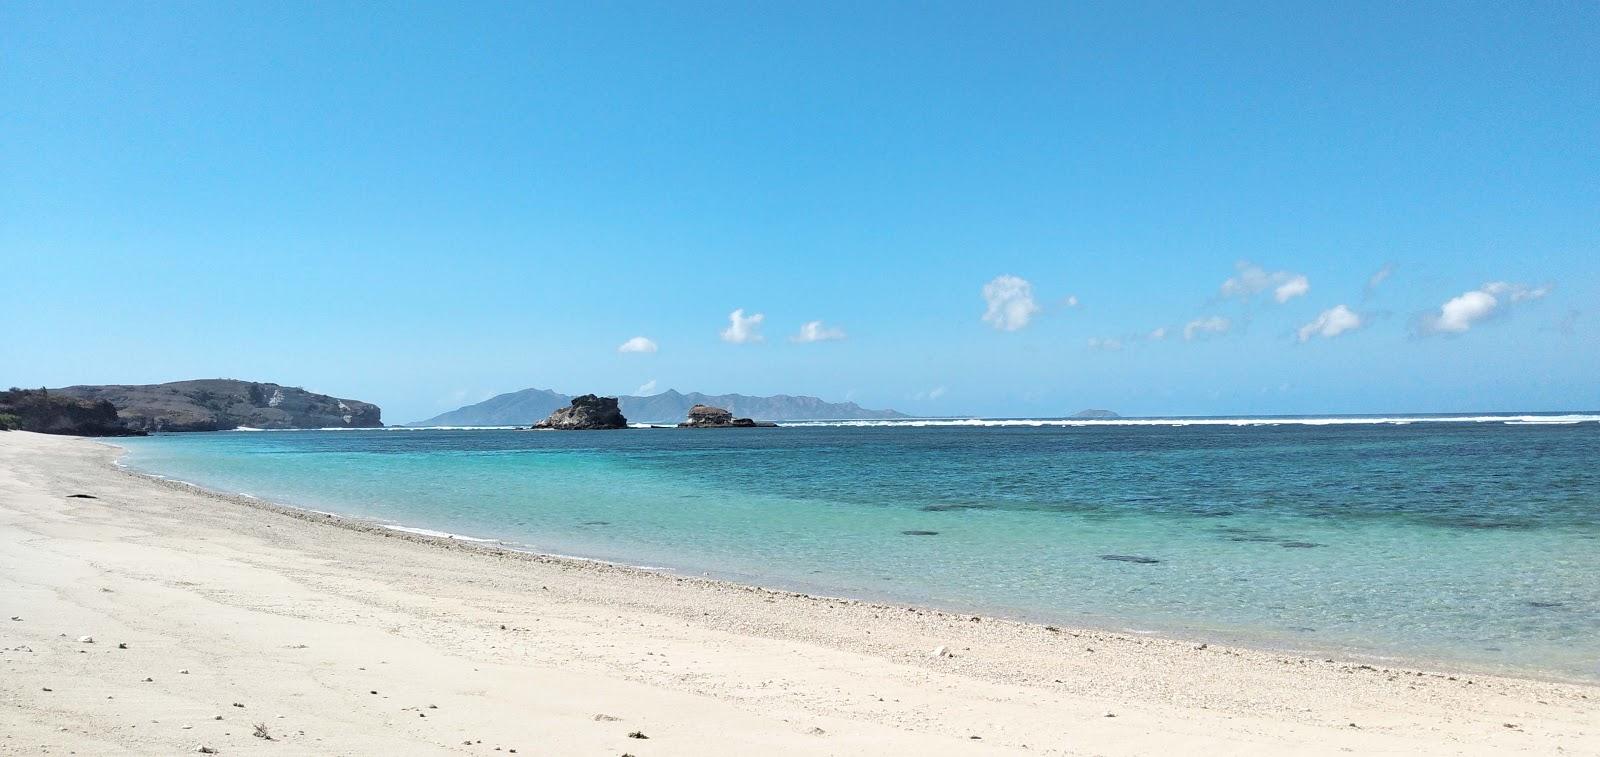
{"type": "Point", "coordinates": [51, 413]}
{"type": "Point", "coordinates": [222, 404]}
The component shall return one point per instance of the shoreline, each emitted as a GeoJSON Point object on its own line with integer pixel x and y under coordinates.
{"type": "Point", "coordinates": [511, 643]}
{"type": "Point", "coordinates": [1263, 643]}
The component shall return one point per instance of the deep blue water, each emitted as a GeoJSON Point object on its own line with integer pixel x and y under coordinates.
{"type": "Point", "coordinates": [1474, 544]}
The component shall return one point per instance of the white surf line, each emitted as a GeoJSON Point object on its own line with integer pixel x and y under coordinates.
{"type": "Point", "coordinates": [1181, 422]}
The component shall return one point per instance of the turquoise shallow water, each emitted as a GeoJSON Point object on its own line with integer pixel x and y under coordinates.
{"type": "Point", "coordinates": [1474, 544]}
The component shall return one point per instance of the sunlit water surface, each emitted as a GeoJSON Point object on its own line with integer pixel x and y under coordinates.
{"type": "Point", "coordinates": [1471, 543]}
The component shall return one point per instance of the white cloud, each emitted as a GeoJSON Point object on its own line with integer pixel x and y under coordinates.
{"type": "Point", "coordinates": [1331, 323]}
{"type": "Point", "coordinates": [1200, 327]}
{"type": "Point", "coordinates": [637, 344]}
{"type": "Point", "coordinates": [1109, 344]}
{"type": "Point", "coordinates": [1158, 334]}
{"type": "Point", "coordinates": [814, 331]}
{"type": "Point", "coordinates": [742, 329]}
{"type": "Point", "coordinates": [647, 388]}
{"type": "Point", "coordinates": [1252, 279]}
{"type": "Point", "coordinates": [1459, 313]}
{"type": "Point", "coordinates": [936, 393]}
{"type": "Point", "coordinates": [1291, 289]}
{"type": "Point", "coordinates": [1011, 303]}
{"type": "Point", "coordinates": [1071, 301]}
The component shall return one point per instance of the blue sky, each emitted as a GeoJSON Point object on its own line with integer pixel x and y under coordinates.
{"type": "Point", "coordinates": [990, 208]}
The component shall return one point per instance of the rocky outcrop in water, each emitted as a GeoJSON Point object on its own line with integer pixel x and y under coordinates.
{"type": "Point", "coordinates": [586, 413]}
{"type": "Point", "coordinates": [706, 416]}
{"type": "Point", "coordinates": [49, 412]}
{"type": "Point", "coordinates": [225, 404]}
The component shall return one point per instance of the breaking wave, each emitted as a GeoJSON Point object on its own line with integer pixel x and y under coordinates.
{"type": "Point", "coordinates": [1398, 420]}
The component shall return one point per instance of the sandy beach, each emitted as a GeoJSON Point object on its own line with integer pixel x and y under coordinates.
{"type": "Point", "coordinates": [154, 618]}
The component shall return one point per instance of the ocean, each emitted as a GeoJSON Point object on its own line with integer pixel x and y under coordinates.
{"type": "Point", "coordinates": [1471, 542]}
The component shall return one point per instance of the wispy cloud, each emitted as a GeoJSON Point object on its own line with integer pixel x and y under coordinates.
{"type": "Point", "coordinates": [637, 344]}
{"type": "Point", "coordinates": [1568, 325]}
{"type": "Point", "coordinates": [647, 388]}
{"type": "Point", "coordinates": [1331, 323]}
{"type": "Point", "coordinates": [461, 397]}
{"type": "Point", "coordinates": [1130, 341]}
{"type": "Point", "coordinates": [931, 394]}
{"type": "Point", "coordinates": [1251, 279]}
{"type": "Point", "coordinates": [815, 331]}
{"type": "Point", "coordinates": [1071, 301]}
{"type": "Point", "coordinates": [1515, 292]}
{"type": "Point", "coordinates": [743, 329]}
{"type": "Point", "coordinates": [1203, 327]}
{"type": "Point", "coordinates": [1458, 314]}
{"type": "Point", "coordinates": [1010, 300]}
{"type": "Point", "coordinates": [1377, 279]}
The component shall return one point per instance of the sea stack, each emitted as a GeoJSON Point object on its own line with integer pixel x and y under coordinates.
{"type": "Point", "coordinates": [706, 416]}
{"type": "Point", "coordinates": [586, 413]}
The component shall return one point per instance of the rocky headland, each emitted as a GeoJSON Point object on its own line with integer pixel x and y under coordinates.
{"type": "Point", "coordinates": [225, 404]}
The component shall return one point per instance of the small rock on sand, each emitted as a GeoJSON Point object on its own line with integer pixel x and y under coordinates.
{"type": "Point", "coordinates": [940, 651]}
{"type": "Point", "coordinates": [604, 718]}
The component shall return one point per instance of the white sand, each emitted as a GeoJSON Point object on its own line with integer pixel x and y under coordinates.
{"type": "Point", "coordinates": [301, 619]}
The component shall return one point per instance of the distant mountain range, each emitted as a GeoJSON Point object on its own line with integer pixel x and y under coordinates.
{"type": "Point", "coordinates": [531, 405]}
